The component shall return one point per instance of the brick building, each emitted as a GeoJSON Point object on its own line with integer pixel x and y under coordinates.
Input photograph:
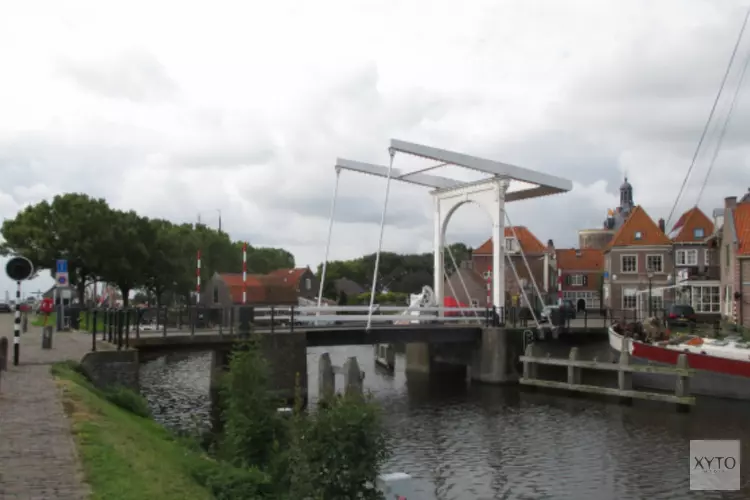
{"type": "Point", "coordinates": [733, 248]}
{"type": "Point", "coordinates": [582, 278]}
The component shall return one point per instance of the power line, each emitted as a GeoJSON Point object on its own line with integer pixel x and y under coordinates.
{"type": "Point", "coordinates": [710, 117]}
{"type": "Point", "coordinates": [724, 126]}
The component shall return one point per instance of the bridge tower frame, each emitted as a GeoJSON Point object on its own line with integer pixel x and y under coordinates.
{"type": "Point", "coordinates": [491, 193]}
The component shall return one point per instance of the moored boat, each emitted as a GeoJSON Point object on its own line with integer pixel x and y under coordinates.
{"type": "Point", "coordinates": [722, 365]}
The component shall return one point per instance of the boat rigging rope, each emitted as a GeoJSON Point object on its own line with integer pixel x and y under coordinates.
{"type": "Point", "coordinates": [710, 117]}
{"type": "Point", "coordinates": [724, 126]}
{"type": "Point", "coordinates": [392, 154]}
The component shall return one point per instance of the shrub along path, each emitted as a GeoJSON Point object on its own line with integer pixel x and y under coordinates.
{"type": "Point", "coordinates": [37, 454]}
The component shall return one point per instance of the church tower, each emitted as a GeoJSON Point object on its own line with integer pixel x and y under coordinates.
{"type": "Point", "coordinates": [626, 197]}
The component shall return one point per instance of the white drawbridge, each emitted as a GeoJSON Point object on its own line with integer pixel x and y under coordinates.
{"type": "Point", "coordinates": [490, 192]}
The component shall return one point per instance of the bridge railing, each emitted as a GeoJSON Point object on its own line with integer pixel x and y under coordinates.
{"type": "Point", "coordinates": [119, 326]}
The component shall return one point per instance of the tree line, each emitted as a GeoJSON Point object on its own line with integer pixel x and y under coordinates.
{"type": "Point", "coordinates": [127, 250]}
{"type": "Point", "coordinates": [397, 273]}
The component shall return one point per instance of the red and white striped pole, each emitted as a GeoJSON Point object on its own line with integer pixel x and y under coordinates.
{"type": "Point", "coordinates": [559, 287]}
{"type": "Point", "coordinates": [244, 273]}
{"type": "Point", "coordinates": [198, 278]}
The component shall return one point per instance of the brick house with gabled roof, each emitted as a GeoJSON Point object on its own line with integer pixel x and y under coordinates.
{"type": "Point", "coordinates": [639, 257]}
{"type": "Point", "coordinates": [540, 259]}
{"type": "Point", "coordinates": [581, 270]}
{"type": "Point", "coordinates": [696, 263]}
{"type": "Point", "coordinates": [733, 245]}
{"type": "Point", "coordinates": [225, 290]}
{"type": "Point", "coordinates": [302, 279]}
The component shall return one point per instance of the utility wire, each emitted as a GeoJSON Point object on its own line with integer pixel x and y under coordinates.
{"type": "Point", "coordinates": [724, 126]}
{"type": "Point", "coordinates": [710, 117]}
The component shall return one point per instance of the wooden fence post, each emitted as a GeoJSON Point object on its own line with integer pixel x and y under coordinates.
{"type": "Point", "coordinates": [326, 377]}
{"type": "Point", "coordinates": [352, 377]}
{"type": "Point", "coordinates": [624, 377]}
{"type": "Point", "coordinates": [574, 373]}
{"type": "Point", "coordinates": [682, 387]}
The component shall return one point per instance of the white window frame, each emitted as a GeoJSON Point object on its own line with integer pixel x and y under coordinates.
{"type": "Point", "coordinates": [474, 303]}
{"type": "Point", "coordinates": [661, 263]}
{"type": "Point", "coordinates": [681, 257]}
{"type": "Point", "coordinates": [706, 257]}
{"type": "Point", "coordinates": [622, 263]}
{"type": "Point", "coordinates": [638, 235]}
{"type": "Point", "coordinates": [695, 232]}
{"type": "Point", "coordinates": [576, 280]}
{"type": "Point", "coordinates": [308, 283]}
{"type": "Point", "coordinates": [699, 293]}
{"type": "Point", "coordinates": [629, 293]}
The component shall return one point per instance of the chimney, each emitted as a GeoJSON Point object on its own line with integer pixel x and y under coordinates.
{"type": "Point", "coordinates": [730, 202]}
{"type": "Point", "coordinates": [661, 226]}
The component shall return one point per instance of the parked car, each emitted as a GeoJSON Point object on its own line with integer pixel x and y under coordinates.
{"type": "Point", "coordinates": [5, 307]}
{"type": "Point", "coordinates": [681, 315]}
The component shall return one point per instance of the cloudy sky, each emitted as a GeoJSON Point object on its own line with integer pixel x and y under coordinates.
{"type": "Point", "coordinates": [180, 108]}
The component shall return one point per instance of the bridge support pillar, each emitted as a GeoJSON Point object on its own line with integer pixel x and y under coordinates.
{"type": "Point", "coordinates": [492, 361]}
{"type": "Point", "coordinates": [420, 358]}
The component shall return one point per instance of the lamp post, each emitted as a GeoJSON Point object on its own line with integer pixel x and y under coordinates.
{"type": "Point", "coordinates": [650, 277]}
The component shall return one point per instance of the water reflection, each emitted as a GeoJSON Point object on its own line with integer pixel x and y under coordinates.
{"type": "Point", "coordinates": [476, 442]}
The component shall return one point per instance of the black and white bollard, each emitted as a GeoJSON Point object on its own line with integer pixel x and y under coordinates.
{"type": "Point", "coordinates": [17, 326]}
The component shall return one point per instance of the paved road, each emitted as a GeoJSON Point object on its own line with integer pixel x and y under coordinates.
{"type": "Point", "coordinates": [37, 454]}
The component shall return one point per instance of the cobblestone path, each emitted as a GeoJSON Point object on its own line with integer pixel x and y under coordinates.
{"type": "Point", "coordinates": [37, 453]}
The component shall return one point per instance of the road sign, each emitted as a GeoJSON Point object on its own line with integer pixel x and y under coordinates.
{"type": "Point", "coordinates": [19, 268]}
{"type": "Point", "coordinates": [62, 279]}
{"type": "Point", "coordinates": [62, 266]}
{"type": "Point", "coordinates": [61, 274]}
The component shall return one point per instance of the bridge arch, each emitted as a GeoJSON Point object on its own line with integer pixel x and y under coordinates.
{"type": "Point", "coordinates": [490, 196]}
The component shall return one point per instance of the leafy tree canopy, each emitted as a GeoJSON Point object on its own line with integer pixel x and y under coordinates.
{"type": "Point", "coordinates": [126, 249]}
{"type": "Point", "coordinates": [398, 273]}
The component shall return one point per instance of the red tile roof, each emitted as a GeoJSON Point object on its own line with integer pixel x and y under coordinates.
{"type": "Point", "coordinates": [529, 243]}
{"type": "Point", "coordinates": [742, 228]}
{"type": "Point", "coordinates": [290, 275]}
{"type": "Point", "coordinates": [684, 229]}
{"type": "Point", "coordinates": [639, 222]}
{"type": "Point", "coordinates": [586, 259]}
{"type": "Point", "coordinates": [260, 288]}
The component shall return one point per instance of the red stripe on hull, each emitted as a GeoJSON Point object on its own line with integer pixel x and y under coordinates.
{"type": "Point", "coordinates": [696, 361]}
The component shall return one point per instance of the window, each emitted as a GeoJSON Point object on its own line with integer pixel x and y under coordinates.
{"type": "Point", "coordinates": [707, 254]}
{"type": "Point", "coordinates": [726, 255]}
{"type": "Point", "coordinates": [511, 245]}
{"type": "Point", "coordinates": [698, 232]}
{"type": "Point", "coordinates": [638, 235]}
{"type": "Point", "coordinates": [706, 299]}
{"type": "Point", "coordinates": [654, 264]}
{"type": "Point", "coordinates": [629, 299]}
{"type": "Point", "coordinates": [216, 295]}
{"type": "Point", "coordinates": [629, 264]}
{"type": "Point", "coordinates": [308, 283]}
{"type": "Point", "coordinates": [576, 280]}
{"type": "Point", "coordinates": [474, 303]}
{"type": "Point", "coordinates": [686, 257]}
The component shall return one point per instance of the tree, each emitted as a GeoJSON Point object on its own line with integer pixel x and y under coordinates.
{"type": "Point", "coordinates": [163, 267]}
{"type": "Point", "coordinates": [72, 227]}
{"type": "Point", "coordinates": [126, 263]}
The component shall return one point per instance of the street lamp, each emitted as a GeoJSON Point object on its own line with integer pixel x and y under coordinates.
{"type": "Point", "coordinates": [650, 277]}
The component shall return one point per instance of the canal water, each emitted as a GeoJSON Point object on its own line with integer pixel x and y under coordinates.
{"type": "Point", "coordinates": [474, 442]}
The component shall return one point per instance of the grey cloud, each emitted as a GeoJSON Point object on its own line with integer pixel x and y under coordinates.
{"type": "Point", "coordinates": [136, 76]}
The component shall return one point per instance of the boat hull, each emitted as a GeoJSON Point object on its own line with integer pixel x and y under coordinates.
{"type": "Point", "coordinates": [716, 377]}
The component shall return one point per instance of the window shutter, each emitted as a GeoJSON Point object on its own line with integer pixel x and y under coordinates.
{"type": "Point", "coordinates": [567, 279]}
{"type": "Point", "coordinates": [585, 280]}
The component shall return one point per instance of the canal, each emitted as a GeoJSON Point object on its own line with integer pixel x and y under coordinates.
{"type": "Point", "coordinates": [475, 442]}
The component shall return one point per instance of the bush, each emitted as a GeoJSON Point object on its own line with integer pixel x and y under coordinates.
{"type": "Point", "coordinates": [253, 428]}
{"type": "Point", "coordinates": [129, 400]}
{"type": "Point", "coordinates": [226, 482]}
{"type": "Point", "coordinates": [338, 451]}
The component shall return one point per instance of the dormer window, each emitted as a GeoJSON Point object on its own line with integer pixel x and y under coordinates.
{"type": "Point", "coordinates": [638, 235]}
{"type": "Point", "coordinates": [699, 233]}
{"type": "Point", "coordinates": [511, 245]}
